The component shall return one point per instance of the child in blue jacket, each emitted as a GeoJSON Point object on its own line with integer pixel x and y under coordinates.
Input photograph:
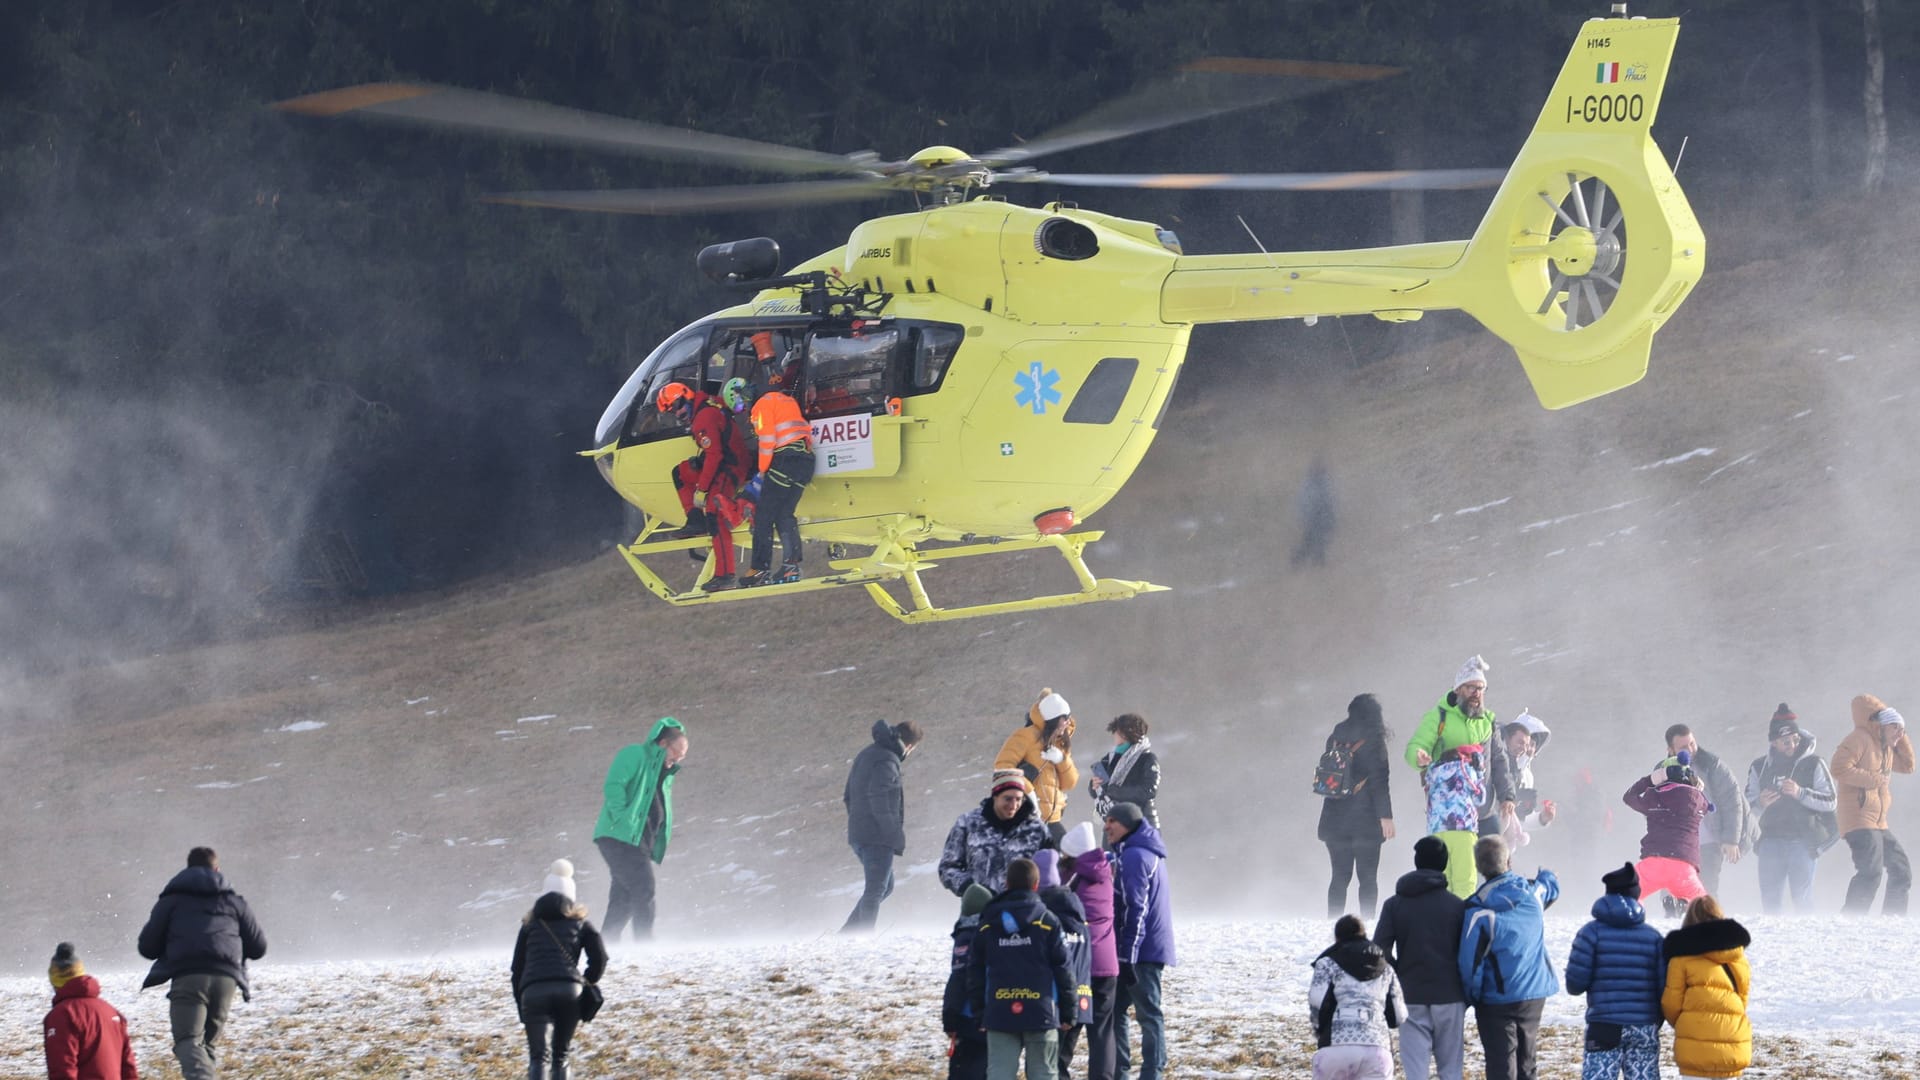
{"type": "Point", "coordinates": [1616, 963]}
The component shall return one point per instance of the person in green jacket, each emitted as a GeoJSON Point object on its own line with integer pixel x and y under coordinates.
{"type": "Point", "coordinates": [1450, 749]}
{"type": "Point", "coordinates": [636, 821]}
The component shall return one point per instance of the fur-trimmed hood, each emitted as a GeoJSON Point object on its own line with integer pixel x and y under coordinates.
{"type": "Point", "coordinates": [1707, 938]}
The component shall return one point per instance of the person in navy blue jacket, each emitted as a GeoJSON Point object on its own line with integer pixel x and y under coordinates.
{"type": "Point", "coordinates": [1616, 962]}
{"type": "Point", "coordinates": [1018, 981]}
{"type": "Point", "coordinates": [1503, 960]}
{"type": "Point", "coordinates": [966, 1043]}
{"type": "Point", "coordinates": [1143, 935]}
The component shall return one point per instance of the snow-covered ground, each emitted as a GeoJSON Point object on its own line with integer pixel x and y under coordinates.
{"type": "Point", "coordinates": [1832, 998]}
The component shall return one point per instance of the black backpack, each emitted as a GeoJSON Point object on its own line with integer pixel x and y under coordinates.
{"type": "Point", "coordinates": [1333, 777]}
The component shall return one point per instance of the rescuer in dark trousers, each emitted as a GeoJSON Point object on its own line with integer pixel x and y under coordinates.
{"type": "Point", "coordinates": [706, 482]}
{"type": "Point", "coordinates": [786, 467]}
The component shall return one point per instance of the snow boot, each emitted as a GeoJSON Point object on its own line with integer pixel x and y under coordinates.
{"type": "Point", "coordinates": [789, 572]}
{"type": "Point", "coordinates": [720, 583]}
{"type": "Point", "coordinates": [696, 525]}
{"type": "Point", "coordinates": [753, 579]}
{"type": "Point", "coordinates": [538, 1071]}
{"type": "Point", "coordinates": [559, 1071]}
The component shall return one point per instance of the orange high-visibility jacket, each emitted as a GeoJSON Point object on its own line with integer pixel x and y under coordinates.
{"type": "Point", "coordinates": [777, 421]}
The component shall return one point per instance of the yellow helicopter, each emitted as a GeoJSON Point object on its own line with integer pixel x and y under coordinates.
{"type": "Point", "coordinates": [981, 376]}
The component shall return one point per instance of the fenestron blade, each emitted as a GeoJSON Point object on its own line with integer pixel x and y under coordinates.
{"type": "Point", "coordinates": [472, 110]}
{"type": "Point", "coordinates": [1201, 89]}
{"type": "Point", "coordinates": [1396, 180]}
{"type": "Point", "coordinates": [666, 201]}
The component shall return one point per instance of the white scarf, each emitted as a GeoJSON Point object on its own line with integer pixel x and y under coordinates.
{"type": "Point", "coordinates": [1125, 765]}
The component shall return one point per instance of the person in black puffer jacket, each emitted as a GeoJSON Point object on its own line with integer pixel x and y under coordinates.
{"type": "Point", "coordinates": [1355, 826]}
{"type": "Point", "coordinates": [547, 979]}
{"type": "Point", "coordinates": [1129, 773]}
{"type": "Point", "coordinates": [200, 936]}
{"type": "Point", "coordinates": [877, 814]}
{"type": "Point", "coordinates": [1419, 930]}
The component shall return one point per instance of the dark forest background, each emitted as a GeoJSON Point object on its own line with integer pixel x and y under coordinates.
{"type": "Point", "coordinates": [256, 368]}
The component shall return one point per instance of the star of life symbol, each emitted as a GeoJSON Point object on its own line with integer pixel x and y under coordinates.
{"type": "Point", "coordinates": [1037, 388]}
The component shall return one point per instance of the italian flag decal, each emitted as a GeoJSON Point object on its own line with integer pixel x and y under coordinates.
{"type": "Point", "coordinates": [1608, 73]}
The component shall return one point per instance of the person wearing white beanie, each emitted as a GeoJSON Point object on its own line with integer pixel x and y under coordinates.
{"type": "Point", "coordinates": [1454, 749]}
{"type": "Point", "coordinates": [1042, 750]}
{"type": "Point", "coordinates": [560, 879]}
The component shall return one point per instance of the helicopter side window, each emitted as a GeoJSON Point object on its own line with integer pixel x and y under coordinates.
{"type": "Point", "coordinates": [681, 361]}
{"type": "Point", "coordinates": [847, 371]}
{"type": "Point", "coordinates": [1099, 399]}
{"type": "Point", "coordinates": [933, 349]}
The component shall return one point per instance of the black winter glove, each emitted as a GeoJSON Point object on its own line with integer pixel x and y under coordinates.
{"type": "Point", "coordinates": [1127, 977]}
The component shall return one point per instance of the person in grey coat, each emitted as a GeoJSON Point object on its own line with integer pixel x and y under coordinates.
{"type": "Point", "coordinates": [200, 936]}
{"type": "Point", "coordinates": [877, 814]}
{"type": "Point", "coordinates": [1730, 831]}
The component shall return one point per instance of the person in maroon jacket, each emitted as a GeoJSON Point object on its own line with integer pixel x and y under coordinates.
{"type": "Point", "coordinates": [86, 1037]}
{"type": "Point", "coordinates": [1674, 805]}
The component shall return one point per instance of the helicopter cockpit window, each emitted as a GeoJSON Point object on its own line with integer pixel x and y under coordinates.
{"type": "Point", "coordinates": [847, 371]}
{"type": "Point", "coordinates": [933, 349]}
{"type": "Point", "coordinates": [682, 360]}
{"type": "Point", "coordinates": [1099, 399]}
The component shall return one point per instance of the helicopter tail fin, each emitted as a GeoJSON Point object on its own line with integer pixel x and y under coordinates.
{"type": "Point", "coordinates": [1589, 246]}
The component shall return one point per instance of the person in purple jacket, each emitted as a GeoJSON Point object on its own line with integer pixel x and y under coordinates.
{"type": "Point", "coordinates": [1142, 936]}
{"type": "Point", "coordinates": [1674, 806]}
{"type": "Point", "coordinates": [1091, 879]}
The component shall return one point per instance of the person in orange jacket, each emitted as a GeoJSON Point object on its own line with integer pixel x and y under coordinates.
{"type": "Point", "coordinates": [1708, 986]}
{"type": "Point", "coordinates": [86, 1037]}
{"type": "Point", "coordinates": [1043, 750]}
{"type": "Point", "coordinates": [707, 481]}
{"type": "Point", "coordinates": [1862, 767]}
{"type": "Point", "coordinates": [786, 468]}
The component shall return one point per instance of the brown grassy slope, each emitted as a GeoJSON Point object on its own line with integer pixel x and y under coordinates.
{"type": "Point", "coordinates": [1611, 596]}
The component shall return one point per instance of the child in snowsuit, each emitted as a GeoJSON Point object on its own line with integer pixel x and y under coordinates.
{"type": "Point", "coordinates": [1616, 963]}
{"type": "Point", "coordinates": [1072, 918]}
{"type": "Point", "coordinates": [1708, 984]}
{"type": "Point", "coordinates": [1353, 1000]}
{"type": "Point", "coordinates": [1018, 981]}
{"type": "Point", "coordinates": [966, 1043]}
{"type": "Point", "coordinates": [1674, 806]}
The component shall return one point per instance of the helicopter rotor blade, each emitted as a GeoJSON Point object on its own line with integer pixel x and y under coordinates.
{"type": "Point", "coordinates": [1198, 90]}
{"type": "Point", "coordinates": [668, 201]}
{"type": "Point", "coordinates": [496, 114]}
{"type": "Point", "coordinates": [1395, 180]}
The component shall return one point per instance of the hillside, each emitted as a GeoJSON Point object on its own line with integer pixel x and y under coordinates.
{"type": "Point", "coordinates": [1736, 530]}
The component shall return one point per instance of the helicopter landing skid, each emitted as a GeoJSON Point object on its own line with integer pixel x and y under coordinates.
{"type": "Point", "coordinates": [894, 559]}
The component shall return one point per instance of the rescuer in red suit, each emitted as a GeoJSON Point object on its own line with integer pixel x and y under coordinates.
{"type": "Point", "coordinates": [706, 482]}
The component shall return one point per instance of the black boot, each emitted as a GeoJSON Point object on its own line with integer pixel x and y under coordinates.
{"type": "Point", "coordinates": [559, 1071]}
{"type": "Point", "coordinates": [538, 1071]}
{"type": "Point", "coordinates": [696, 525]}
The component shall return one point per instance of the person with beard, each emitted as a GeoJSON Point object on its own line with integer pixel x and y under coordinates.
{"type": "Point", "coordinates": [1729, 832]}
{"type": "Point", "coordinates": [1042, 749]}
{"type": "Point", "coordinates": [1356, 823]}
{"type": "Point", "coordinates": [1863, 765]}
{"type": "Point", "coordinates": [87, 1038]}
{"type": "Point", "coordinates": [1018, 981]}
{"type": "Point", "coordinates": [1794, 793]}
{"type": "Point", "coordinates": [1451, 750]}
{"type": "Point", "coordinates": [1091, 879]}
{"type": "Point", "coordinates": [1074, 934]}
{"type": "Point", "coordinates": [1353, 1000]}
{"type": "Point", "coordinates": [1419, 931]}
{"type": "Point", "coordinates": [1616, 963]}
{"type": "Point", "coordinates": [1130, 772]}
{"type": "Point", "coordinates": [1708, 986]}
{"type": "Point", "coordinates": [877, 814]}
{"type": "Point", "coordinates": [1503, 960]}
{"type": "Point", "coordinates": [966, 1042]}
{"type": "Point", "coordinates": [636, 825]}
{"type": "Point", "coordinates": [986, 839]}
{"type": "Point", "coordinates": [200, 936]}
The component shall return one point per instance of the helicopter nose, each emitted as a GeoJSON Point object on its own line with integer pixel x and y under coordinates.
{"type": "Point", "coordinates": [605, 464]}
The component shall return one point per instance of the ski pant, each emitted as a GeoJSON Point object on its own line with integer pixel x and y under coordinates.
{"type": "Point", "coordinates": [1144, 996]}
{"type": "Point", "coordinates": [1510, 1035]}
{"type": "Point", "coordinates": [1351, 859]}
{"type": "Point", "coordinates": [1635, 1057]}
{"type": "Point", "coordinates": [198, 1005]}
{"type": "Point", "coordinates": [1100, 1053]}
{"type": "Point", "coordinates": [1354, 1061]}
{"type": "Point", "coordinates": [786, 480]}
{"type": "Point", "coordinates": [1006, 1048]}
{"type": "Point", "coordinates": [553, 1003]}
{"type": "Point", "coordinates": [876, 861]}
{"type": "Point", "coordinates": [1434, 1034]}
{"type": "Point", "coordinates": [1785, 863]}
{"type": "Point", "coordinates": [1462, 878]}
{"type": "Point", "coordinates": [1676, 876]}
{"type": "Point", "coordinates": [723, 513]}
{"type": "Point", "coordinates": [630, 896]}
{"type": "Point", "coordinates": [1877, 854]}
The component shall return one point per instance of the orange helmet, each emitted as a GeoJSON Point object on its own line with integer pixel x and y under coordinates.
{"type": "Point", "coordinates": [671, 396]}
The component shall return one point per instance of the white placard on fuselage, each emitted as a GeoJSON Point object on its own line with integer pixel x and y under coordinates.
{"type": "Point", "coordinates": [842, 444]}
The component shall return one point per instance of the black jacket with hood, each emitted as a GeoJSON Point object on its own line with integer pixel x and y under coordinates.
{"type": "Point", "coordinates": [200, 926]}
{"type": "Point", "coordinates": [1419, 930]}
{"type": "Point", "coordinates": [1356, 818]}
{"type": "Point", "coordinates": [551, 943]}
{"type": "Point", "coordinates": [876, 800]}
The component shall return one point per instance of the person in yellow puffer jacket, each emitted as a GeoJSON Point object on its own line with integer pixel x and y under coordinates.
{"type": "Point", "coordinates": [1863, 765]}
{"type": "Point", "coordinates": [1043, 750]}
{"type": "Point", "coordinates": [1708, 984]}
